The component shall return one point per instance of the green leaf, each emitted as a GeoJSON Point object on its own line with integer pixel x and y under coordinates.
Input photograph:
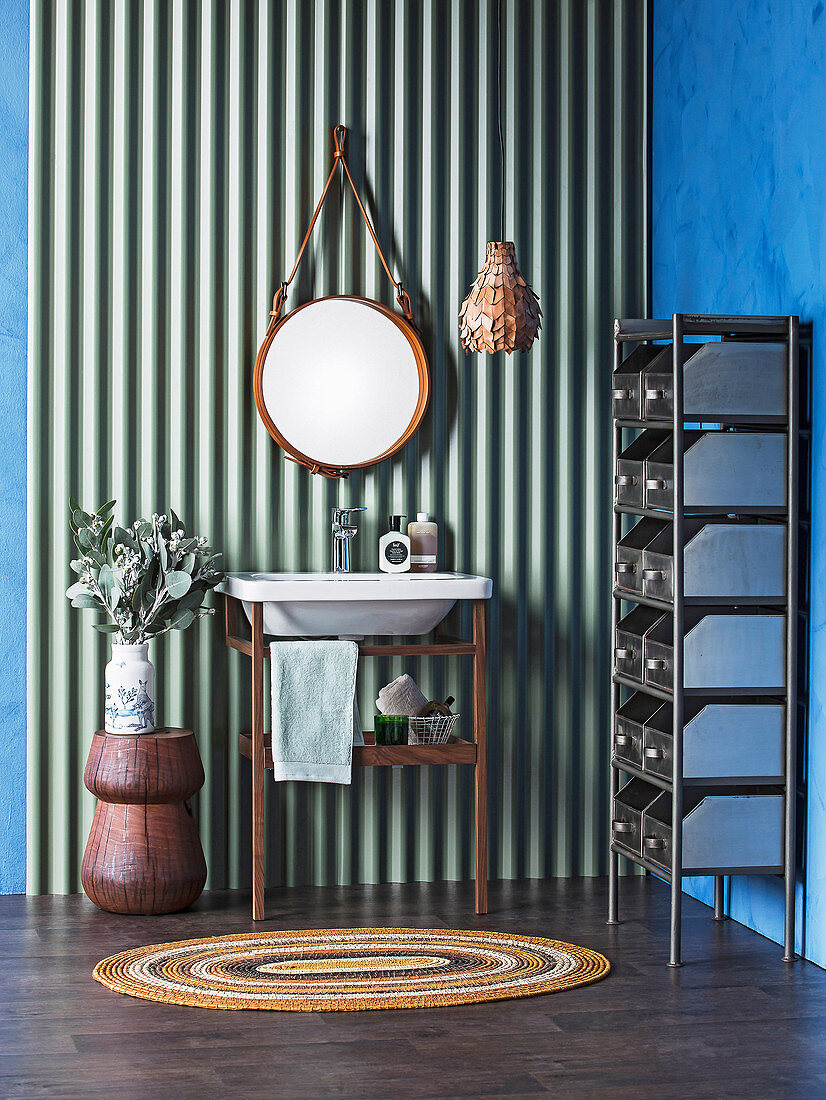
{"type": "Point", "coordinates": [85, 540]}
{"type": "Point", "coordinates": [192, 600]}
{"type": "Point", "coordinates": [107, 581]}
{"type": "Point", "coordinates": [86, 601]}
{"type": "Point", "coordinates": [77, 565]}
{"type": "Point", "coordinates": [181, 620]}
{"type": "Point", "coordinates": [73, 504]}
{"type": "Point", "coordinates": [164, 557]}
{"type": "Point", "coordinates": [77, 589]}
{"type": "Point", "coordinates": [107, 507]}
{"type": "Point", "coordinates": [188, 563]}
{"type": "Point", "coordinates": [123, 537]}
{"type": "Point", "coordinates": [107, 628]}
{"type": "Point", "coordinates": [177, 583]}
{"type": "Point", "coordinates": [104, 533]}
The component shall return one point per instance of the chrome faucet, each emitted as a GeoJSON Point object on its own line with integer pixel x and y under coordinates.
{"type": "Point", "coordinates": [343, 531]}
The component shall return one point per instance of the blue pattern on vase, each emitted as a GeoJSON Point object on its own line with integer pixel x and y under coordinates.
{"type": "Point", "coordinates": [132, 710]}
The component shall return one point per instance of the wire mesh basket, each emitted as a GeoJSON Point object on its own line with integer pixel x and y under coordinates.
{"type": "Point", "coordinates": [435, 729]}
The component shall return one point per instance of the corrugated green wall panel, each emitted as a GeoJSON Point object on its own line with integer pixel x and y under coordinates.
{"type": "Point", "coordinates": [177, 150]}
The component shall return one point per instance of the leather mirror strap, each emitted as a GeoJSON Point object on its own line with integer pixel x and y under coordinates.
{"type": "Point", "coordinates": [280, 298]}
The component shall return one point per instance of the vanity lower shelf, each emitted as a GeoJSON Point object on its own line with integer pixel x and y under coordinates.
{"type": "Point", "coordinates": [371, 755]}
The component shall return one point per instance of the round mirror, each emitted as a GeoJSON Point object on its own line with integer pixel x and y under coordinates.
{"type": "Point", "coordinates": [342, 384]}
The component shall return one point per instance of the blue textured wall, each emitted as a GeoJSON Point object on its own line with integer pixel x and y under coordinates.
{"type": "Point", "coordinates": [739, 226]}
{"type": "Point", "coordinates": [14, 99]}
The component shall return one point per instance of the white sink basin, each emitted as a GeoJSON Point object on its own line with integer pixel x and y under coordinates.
{"type": "Point", "coordinates": [301, 605]}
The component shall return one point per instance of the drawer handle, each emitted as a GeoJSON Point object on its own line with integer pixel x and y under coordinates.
{"type": "Point", "coordinates": [654, 574]}
{"type": "Point", "coordinates": [654, 754]}
{"type": "Point", "coordinates": [622, 826]}
{"type": "Point", "coordinates": [655, 483]}
{"type": "Point", "coordinates": [623, 740]}
{"type": "Point", "coordinates": [625, 479]}
{"type": "Point", "coordinates": [655, 664]}
{"type": "Point", "coordinates": [624, 654]}
{"type": "Point", "coordinates": [654, 395]}
{"type": "Point", "coordinates": [620, 395]}
{"type": "Point", "coordinates": [653, 842]}
{"type": "Point", "coordinates": [625, 567]}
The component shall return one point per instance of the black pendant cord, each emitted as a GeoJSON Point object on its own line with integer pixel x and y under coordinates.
{"type": "Point", "coordinates": [499, 119]}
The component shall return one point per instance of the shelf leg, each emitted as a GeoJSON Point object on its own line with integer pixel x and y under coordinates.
{"type": "Point", "coordinates": [480, 771]}
{"type": "Point", "coordinates": [613, 892]}
{"type": "Point", "coordinates": [678, 624]}
{"type": "Point", "coordinates": [613, 858]}
{"type": "Point", "coordinates": [719, 898]}
{"type": "Point", "coordinates": [792, 463]}
{"type": "Point", "coordinates": [674, 955]}
{"type": "Point", "coordinates": [258, 856]}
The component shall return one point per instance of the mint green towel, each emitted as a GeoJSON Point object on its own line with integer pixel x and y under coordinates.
{"type": "Point", "coordinates": [313, 689]}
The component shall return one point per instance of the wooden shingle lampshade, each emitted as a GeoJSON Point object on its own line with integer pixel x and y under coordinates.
{"type": "Point", "coordinates": [501, 312]}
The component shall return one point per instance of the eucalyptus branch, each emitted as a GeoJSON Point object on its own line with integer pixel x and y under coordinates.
{"type": "Point", "coordinates": [197, 615]}
{"type": "Point", "coordinates": [149, 578]}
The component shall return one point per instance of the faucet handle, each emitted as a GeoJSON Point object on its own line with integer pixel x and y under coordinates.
{"type": "Point", "coordinates": [341, 516]}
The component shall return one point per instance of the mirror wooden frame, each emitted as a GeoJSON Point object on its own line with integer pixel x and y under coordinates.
{"type": "Point", "coordinates": [314, 465]}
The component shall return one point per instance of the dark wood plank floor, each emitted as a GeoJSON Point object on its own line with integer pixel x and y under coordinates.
{"type": "Point", "coordinates": [734, 1022]}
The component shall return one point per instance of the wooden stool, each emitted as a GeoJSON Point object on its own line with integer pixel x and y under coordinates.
{"type": "Point", "coordinates": [143, 854]}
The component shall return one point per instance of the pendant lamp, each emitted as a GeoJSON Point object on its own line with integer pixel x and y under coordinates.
{"type": "Point", "coordinates": [501, 312]}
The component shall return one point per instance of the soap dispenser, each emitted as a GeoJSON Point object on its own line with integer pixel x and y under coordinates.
{"type": "Point", "coordinates": [423, 536]}
{"type": "Point", "coordinates": [394, 548]}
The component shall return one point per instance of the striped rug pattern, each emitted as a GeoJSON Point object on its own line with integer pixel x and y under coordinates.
{"type": "Point", "coordinates": [350, 969]}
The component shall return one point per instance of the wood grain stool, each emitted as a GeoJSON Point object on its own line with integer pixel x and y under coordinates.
{"type": "Point", "coordinates": [143, 854]}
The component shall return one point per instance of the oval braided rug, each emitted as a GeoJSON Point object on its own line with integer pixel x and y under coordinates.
{"type": "Point", "coordinates": [350, 969]}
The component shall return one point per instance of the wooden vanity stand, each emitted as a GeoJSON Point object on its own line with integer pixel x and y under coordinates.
{"type": "Point", "coordinates": [257, 745]}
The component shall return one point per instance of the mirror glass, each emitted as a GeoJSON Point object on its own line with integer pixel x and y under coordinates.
{"type": "Point", "coordinates": [344, 384]}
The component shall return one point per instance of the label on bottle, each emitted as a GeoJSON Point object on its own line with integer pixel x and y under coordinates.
{"type": "Point", "coordinates": [395, 552]}
{"type": "Point", "coordinates": [422, 559]}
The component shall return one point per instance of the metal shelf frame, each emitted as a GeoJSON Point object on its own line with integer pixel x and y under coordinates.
{"type": "Point", "coordinates": [781, 329]}
{"type": "Point", "coordinates": [773, 781]}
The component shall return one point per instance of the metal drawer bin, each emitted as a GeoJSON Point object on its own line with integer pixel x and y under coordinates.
{"type": "Point", "coordinates": [629, 726]}
{"type": "Point", "coordinates": [724, 471]}
{"type": "Point", "coordinates": [626, 393]}
{"type": "Point", "coordinates": [630, 641]}
{"type": "Point", "coordinates": [629, 804]}
{"type": "Point", "coordinates": [722, 739]}
{"type": "Point", "coordinates": [628, 567]}
{"type": "Point", "coordinates": [630, 473]}
{"type": "Point", "coordinates": [727, 381]}
{"type": "Point", "coordinates": [720, 561]}
{"type": "Point", "coordinates": [742, 651]}
{"type": "Point", "coordinates": [722, 833]}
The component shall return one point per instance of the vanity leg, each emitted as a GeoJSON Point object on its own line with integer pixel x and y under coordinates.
{"type": "Point", "coordinates": [258, 874]}
{"type": "Point", "coordinates": [481, 769]}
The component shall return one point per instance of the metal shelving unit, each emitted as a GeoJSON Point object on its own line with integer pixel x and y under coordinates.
{"type": "Point", "coordinates": [760, 793]}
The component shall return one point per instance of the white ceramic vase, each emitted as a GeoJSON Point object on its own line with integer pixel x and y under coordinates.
{"type": "Point", "coordinates": [130, 690]}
